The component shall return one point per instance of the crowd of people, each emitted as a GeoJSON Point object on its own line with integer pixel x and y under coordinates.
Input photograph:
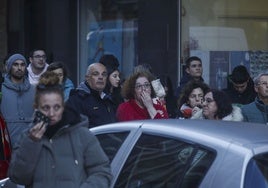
{"type": "Point", "coordinates": [38, 87]}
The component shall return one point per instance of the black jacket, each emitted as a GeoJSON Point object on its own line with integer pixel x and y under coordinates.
{"type": "Point", "coordinates": [246, 97]}
{"type": "Point", "coordinates": [88, 102]}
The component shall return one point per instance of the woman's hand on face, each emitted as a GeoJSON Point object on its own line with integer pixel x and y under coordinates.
{"type": "Point", "coordinates": [146, 99]}
{"type": "Point", "coordinates": [37, 131]}
{"type": "Point", "coordinates": [195, 109]}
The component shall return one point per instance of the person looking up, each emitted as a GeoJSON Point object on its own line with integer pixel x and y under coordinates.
{"type": "Point", "coordinates": [240, 86]}
{"type": "Point", "coordinates": [256, 111]}
{"type": "Point", "coordinates": [217, 106]}
{"type": "Point", "coordinates": [58, 150]}
{"type": "Point", "coordinates": [89, 97]}
{"type": "Point", "coordinates": [193, 71]}
{"type": "Point", "coordinates": [17, 97]}
{"type": "Point", "coordinates": [113, 87]}
{"type": "Point", "coordinates": [137, 89]}
{"type": "Point", "coordinates": [191, 98]}
{"type": "Point", "coordinates": [37, 66]}
{"type": "Point", "coordinates": [60, 69]}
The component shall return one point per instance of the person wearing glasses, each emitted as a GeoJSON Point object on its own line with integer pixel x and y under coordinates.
{"type": "Point", "coordinates": [217, 105]}
{"type": "Point", "coordinates": [90, 99]}
{"type": "Point", "coordinates": [257, 111]}
{"type": "Point", "coordinates": [138, 92]}
{"type": "Point", "coordinates": [38, 65]}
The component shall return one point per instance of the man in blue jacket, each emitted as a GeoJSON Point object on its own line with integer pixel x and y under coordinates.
{"type": "Point", "coordinates": [257, 111]}
{"type": "Point", "coordinates": [89, 99]}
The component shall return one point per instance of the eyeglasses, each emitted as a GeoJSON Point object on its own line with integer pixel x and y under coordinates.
{"type": "Point", "coordinates": [144, 86]}
{"type": "Point", "coordinates": [40, 56]}
{"type": "Point", "coordinates": [208, 100]}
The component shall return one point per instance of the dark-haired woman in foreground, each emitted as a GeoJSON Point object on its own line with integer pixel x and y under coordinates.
{"type": "Point", "coordinates": [61, 152]}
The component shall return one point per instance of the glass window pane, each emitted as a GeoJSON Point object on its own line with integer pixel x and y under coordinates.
{"type": "Point", "coordinates": [257, 172]}
{"type": "Point", "coordinates": [225, 34]}
{"type": "Point", "coordinates": [108, 27]}
{"type": "Point", "coordinates": [111, 142]}
{"type": "Point", "coordinates": [162, 162]}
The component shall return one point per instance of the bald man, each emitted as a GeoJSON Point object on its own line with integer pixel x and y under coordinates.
{"type": "Point", "coordinates": [89, 99]}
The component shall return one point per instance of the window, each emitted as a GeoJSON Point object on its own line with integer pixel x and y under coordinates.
{"type": "Point", "coordinates": [164, 162]}
{"type": "Point", "coordinates": [112, 142]}
{"type": "Point", "coordinates": [225, 34]}
{"type": "Point", "coordinates": [257, 172]}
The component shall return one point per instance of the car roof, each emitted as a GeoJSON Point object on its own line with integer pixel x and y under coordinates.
{"type": "Point", "coordinates": [240, 133]}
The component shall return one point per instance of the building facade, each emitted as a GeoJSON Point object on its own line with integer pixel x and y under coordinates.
{"type": "Point", "coordinates": [223, 33]}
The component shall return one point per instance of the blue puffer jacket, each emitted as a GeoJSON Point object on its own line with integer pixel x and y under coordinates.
{"type": "Point", "coordinates": [99, 109]}
{"type": "Point", "coordinates": [71, 157]}
{"type": "Point", "coordinates": [17, 106]}
{"type": "Point", "coordinates": [256, 112]}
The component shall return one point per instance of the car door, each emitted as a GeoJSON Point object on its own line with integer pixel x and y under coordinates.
{"type": "Point", "coordinates": [150, 159]}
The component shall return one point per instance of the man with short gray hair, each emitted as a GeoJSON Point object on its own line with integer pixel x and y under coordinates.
{"type": "Point", "coordinates": [89, 99]}
{"type": "Point", "coordinates": [257, 111]}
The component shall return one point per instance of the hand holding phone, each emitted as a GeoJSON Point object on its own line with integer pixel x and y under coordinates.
{"type": "Point", "coordinates": [40, 117]}
{"type": "Point", "coordinates": [40, 123]}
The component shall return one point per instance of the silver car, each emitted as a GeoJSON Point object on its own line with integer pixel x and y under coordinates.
{"type": "Point", "coordinates": [186, 153]}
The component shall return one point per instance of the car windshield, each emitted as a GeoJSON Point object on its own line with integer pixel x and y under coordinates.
{"type": "Point", "coordinates": [257, 172]}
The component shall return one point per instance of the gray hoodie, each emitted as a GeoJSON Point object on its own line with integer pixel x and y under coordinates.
{"type": "Point", "coordinates": [17, 106]}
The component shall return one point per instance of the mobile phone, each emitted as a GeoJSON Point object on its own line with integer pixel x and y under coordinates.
{"type": "Point", "coordinates": [39, 116]}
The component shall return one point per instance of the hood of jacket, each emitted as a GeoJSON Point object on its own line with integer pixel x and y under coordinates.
{"type": "Point", "coordinates": [83, 86]}
{"type": "Point", "coordinates": [21, 87]}
{"type": "Point", "coordinates": [69, 118]}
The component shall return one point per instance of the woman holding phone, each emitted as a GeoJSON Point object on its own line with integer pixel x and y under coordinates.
{"type": "Point", "coordinates": [60, 152]}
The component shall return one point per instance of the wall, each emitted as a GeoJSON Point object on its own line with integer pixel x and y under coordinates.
{"type": "Point", "coordinates": [3, 33]}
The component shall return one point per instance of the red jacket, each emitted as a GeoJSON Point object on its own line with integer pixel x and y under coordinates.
{"type": "Point", "coordinates": [130, 110]}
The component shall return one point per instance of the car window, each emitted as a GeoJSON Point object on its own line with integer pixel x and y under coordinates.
{"type": "Point", "coordinates": [157, 161]}
{"type": "Point", "coordinates": [111, 142]}
{"type": "Point", "coordinates": [257, 172]}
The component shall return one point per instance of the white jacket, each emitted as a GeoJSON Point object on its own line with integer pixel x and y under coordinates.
{"type": "Point", "coordinates": [235, 115]}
